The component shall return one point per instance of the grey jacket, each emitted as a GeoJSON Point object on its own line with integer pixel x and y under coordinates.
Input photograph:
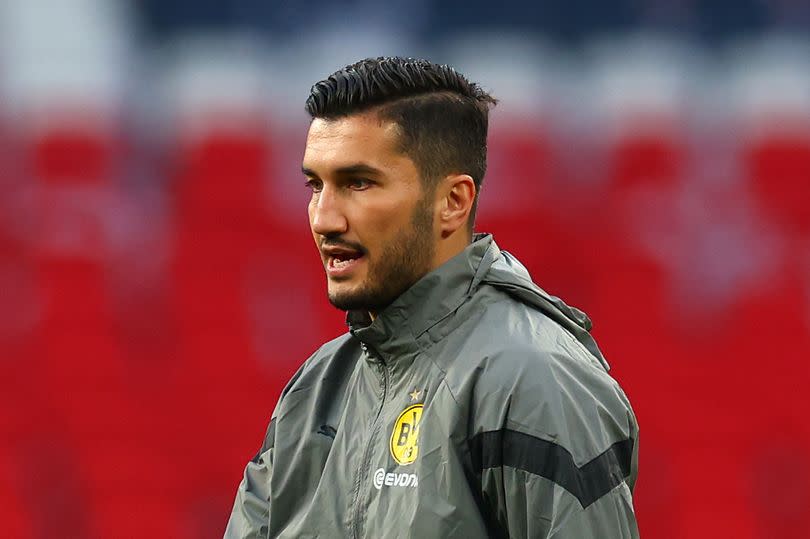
{"type": "Point", "coordinates": [476, 405]}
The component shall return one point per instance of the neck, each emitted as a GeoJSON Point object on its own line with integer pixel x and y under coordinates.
{"type": "Point", "coordinates": [448, 247]}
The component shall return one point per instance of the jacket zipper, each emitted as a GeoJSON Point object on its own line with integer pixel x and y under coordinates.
{"type": "Point", "coordinates": [365, 462]}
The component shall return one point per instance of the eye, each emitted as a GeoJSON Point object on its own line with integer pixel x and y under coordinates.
{"type": "Point", "coordinates": [359, 184]}
{"type": "Point", "coordinates": [316, 186]}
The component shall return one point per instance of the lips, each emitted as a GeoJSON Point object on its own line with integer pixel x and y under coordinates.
{"type": "Point", "coordinates": [341, 261]}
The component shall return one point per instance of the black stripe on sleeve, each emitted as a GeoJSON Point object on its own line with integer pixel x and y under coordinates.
{"type": "Point", "coordinates": [269, 440]}
{"type": "Point", "coordinates": [587, 483]}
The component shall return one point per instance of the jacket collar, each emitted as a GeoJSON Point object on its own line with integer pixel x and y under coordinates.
{"type": "Point", "coordinates": [394, 332]}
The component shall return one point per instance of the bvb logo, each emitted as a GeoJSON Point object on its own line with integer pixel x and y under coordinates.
{"type": "Point", "coordinates": [405, 438]}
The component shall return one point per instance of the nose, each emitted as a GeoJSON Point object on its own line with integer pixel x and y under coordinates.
{"type": "Point", "coordinates": [326, 216]}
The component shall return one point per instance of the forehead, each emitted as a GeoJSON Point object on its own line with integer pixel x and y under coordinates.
{"type": "Point", "coordinates": [359, 137]}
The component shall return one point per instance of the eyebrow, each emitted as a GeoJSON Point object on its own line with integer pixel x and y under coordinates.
{"type": "Point", "coordinates": [357, 168]}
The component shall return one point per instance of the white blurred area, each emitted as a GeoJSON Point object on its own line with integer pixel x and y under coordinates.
{"type": "Point", "coordinates": [63, 56]}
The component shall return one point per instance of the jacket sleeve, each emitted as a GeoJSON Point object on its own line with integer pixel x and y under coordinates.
{"type": "Point", "coordinates": [534, 493]}
{"type": "Point", "coordinates": [612, 515]}
{"type": "Point", "coordinates": [251, 508]}
{"type": "Point", "coordinates": [562, 462]}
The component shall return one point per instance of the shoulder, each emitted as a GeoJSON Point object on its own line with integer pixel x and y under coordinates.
{"type": "Point", "coordinates": [329, 356]}
{"type": "Point", "coordinates": [525, 373]}
{"type": "Point", "coordinates": [516, 346]}
{"type": "Point", "coordinates": [327, 351]}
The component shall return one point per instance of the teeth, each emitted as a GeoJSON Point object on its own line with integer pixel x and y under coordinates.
{"type": "Point", "coordinates": [338, 263]}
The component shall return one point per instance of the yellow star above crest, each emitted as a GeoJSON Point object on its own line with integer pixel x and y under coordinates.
{"type": "Point", "coordinates": [415, 394]}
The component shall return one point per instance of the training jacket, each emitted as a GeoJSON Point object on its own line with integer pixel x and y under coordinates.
{"type": "Point", "coordinates": [475, 405]}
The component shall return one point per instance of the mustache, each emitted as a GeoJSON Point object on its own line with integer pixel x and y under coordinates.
{"type": "Point", "coordinates": [339, 242]}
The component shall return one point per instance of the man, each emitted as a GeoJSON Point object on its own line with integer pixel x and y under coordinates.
{"type": "Point", "coordinates": [464, 401]}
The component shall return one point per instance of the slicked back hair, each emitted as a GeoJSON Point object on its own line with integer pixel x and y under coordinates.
{"type": "Point", "coordinates": [442, 117]}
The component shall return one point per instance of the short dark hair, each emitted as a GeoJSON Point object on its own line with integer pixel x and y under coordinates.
{"type": "Point", "coordinates": [442, 116]}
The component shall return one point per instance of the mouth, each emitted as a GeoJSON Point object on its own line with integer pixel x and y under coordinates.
{"type": "Point", "coordinates": [342, 262]}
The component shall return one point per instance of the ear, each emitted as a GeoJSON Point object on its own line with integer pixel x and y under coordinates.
{"type": "Point", "coordinates": [457, 194]}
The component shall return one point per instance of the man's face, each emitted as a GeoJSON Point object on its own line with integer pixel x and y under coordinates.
{"type": "Point", "coordinates": [370, 215]}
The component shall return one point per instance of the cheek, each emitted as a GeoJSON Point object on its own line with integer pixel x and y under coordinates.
{"type": "Point", "coordinates": [311, 218]}
{"type": "Point", "coordinates": [311, 221]}
{"type": "Point", "coordinates": [383, 229]}
{"type": "Point", "coordinates": [377, 221]}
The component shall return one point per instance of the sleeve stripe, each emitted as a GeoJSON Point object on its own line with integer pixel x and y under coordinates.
{"type": "Point", "coordinates": [588, 483]}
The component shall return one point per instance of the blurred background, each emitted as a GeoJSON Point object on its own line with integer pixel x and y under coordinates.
{"type": "Point", "coordinates": [649, 162]}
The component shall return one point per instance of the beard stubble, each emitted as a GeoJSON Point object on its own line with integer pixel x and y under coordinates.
{"type": "Point", "coordinates": [404, 260]}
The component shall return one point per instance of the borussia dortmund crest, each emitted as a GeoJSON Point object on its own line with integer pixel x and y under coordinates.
{"type": "Point", "coordinates": [405, 437]}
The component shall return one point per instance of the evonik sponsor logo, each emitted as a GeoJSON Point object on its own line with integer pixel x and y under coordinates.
{"type": "Point", "coordinates": [391, 479]}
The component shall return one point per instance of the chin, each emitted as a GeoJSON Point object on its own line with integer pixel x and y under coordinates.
{"type": "Point", "coordinates": [347, 303]}
{"type": "Point", "coordinates": [346, 299]}
{"type": "Point", "coordinates": [358, 300]}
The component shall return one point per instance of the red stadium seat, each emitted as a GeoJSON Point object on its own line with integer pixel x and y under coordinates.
{"type": "Point", "coordinates": [778, 169]}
